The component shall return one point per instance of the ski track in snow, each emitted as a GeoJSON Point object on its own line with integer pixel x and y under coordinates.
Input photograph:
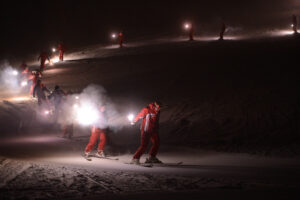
{"type": "Point", "coordinates": [50, 180]}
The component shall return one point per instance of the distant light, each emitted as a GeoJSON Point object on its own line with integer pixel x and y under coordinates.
{"type": "Point", "coordinates": [77, 97]}
{"type": "Point", "coordinates": [53, 50]}
{"type": "Point", "coordinates": [281, 32]}
{"type": "Point", "coordinates": [15, 72]}
{"type": "Point", "coordinates": [46, 112]}
{"type": "Point", "coordinates": [187, 26]}
{"type": "Point", "coordinates": [113, 35]}
{"type": "Point", "coordinates": [23, 83]}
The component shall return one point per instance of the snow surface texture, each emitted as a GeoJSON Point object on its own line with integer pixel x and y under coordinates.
{"type": "Point", "coordinates": [61, 179]}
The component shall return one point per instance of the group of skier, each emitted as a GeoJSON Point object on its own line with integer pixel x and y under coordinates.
{"type": "Point", "coordinates": [149, 117]}
{"type": "Point", "coordinates": [191, 29]}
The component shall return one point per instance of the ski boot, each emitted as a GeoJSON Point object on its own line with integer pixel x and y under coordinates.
{"type": "Point", "coordinates": [135, 161]}
{"type": "Point", "coordinates": [86, 154]}
{"type": "Point", "coordinates": [152, 159]}
{"type": "Point", "coordinates": [100, 154]}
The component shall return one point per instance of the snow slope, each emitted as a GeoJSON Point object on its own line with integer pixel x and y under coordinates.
{"type": "Point", "coordinates": [232, 96]}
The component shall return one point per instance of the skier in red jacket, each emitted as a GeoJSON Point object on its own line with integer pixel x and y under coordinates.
{"type": "Point", "coordinates": [61, 52]}
{"type": "Point", "coordinates": [34, 77]}
{"type": "Point", "coordinates": [96, 133]}
{"type": "Point", "coordinates": [149, 131]}
{"type": "Point", "coordinates": [43, 57]}
{"type": "Point", "coordinates": [121, 38]}
{"type": "Point", "coordinates": [191, 33]}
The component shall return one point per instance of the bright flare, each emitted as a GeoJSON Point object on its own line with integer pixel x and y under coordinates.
{"type": "Point", "coordinates": [187, 26]}
{"type": "Point", "coordinates": [55, 59]}
{"type": "Point", "coordinates": [23, 83]}
{"type": "Point", "coordinates": [130, 118]}
{"type": "Point", "coordinates": [46, 112]}
{"type": "Point", "coordinates": [75, 106]}
{"type": "Point", "coordinates": [77, 97]}
{"type": "Point", "coordinates": [113, 35]}
{"type": "Point", "coordinates": [53, 50]}
{"type": "Point", "coordinates": [15, 72]}
{"type": "Point", "coordinates": [86, 115]}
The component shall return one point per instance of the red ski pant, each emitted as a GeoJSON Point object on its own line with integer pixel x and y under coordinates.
{"type": "Point", "coordinates": [145, 138]}
{"type": "Point", "coordinates": [121, 43]}
{"type": "Point", "coordinates": [93, 140]}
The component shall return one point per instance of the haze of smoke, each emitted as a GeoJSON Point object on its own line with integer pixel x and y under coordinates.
{"type": "Point", "coordinates": [9, 81]}
{"type": "Point", "coordinates": [92, 97]}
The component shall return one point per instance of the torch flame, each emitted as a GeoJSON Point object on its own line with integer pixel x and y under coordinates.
{"type": "Point", "coordinates": [24, 83]}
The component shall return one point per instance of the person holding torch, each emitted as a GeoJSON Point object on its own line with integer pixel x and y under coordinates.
{"type": "Point", "coordinates": [191, 30]}
{"type": "Point", "coordinates": [149, 131]}
{"type": "Point", "coordinates": [61, 50]}
{"type": "Point", "coordinates": [97, 132]}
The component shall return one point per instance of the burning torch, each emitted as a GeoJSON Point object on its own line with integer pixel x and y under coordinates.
{"type": "Point", "coordinates": [23, 83]}
{"type": "Point", "coordinates": [15, 72]}
{"type": "Point", "coordinates": [130, 118]}
{"type": "Point", "coordinates": [113, 36]}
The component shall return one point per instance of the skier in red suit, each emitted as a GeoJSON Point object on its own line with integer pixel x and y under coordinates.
{"type": "Point", "coordinates": [149, 131]}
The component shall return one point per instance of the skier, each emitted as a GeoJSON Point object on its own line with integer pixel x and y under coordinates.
{"type": "Point", "coordinates": [34, 77]}
{"type": "Point", "coordinates": [223, 29]}
{"type": "Point", "coordinates": [295, 24]}
{"type": "Point", "coordinates": [39, 91]}
{"type": "Point", "coordinates": [149, 131]}
{"type": "Point", "coordinates": [191, 33]}
{"type": "Point", "coordinates": [121, 38]}
{"type": "Point", "coordinates": [97, 132]}
{"type": "Point", "coordinates": [61, 52]}
{"type": "Point", "coordinates": [43, 57]}
{"type": "Point", "coordinates": [56, 98]}
{"type": "Point", "coordinates": [66, 116]}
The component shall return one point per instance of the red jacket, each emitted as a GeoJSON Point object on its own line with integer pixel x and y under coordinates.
{"type": "Point", "coordinates": [150, 118]}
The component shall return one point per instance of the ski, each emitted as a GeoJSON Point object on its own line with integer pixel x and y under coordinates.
{"type": "Point", "coordinates": [167, 164]}
{"type": "Point", "coordinates": [107, 158]}
{"type": "Point", "coordinates": [149, 165]}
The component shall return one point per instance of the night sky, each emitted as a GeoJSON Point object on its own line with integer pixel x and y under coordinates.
{"type": "Point", "coordinates": [27, 27]}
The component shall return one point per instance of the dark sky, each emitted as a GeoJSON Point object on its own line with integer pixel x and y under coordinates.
{"type": "Point", "coordinates": [30, 26]}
